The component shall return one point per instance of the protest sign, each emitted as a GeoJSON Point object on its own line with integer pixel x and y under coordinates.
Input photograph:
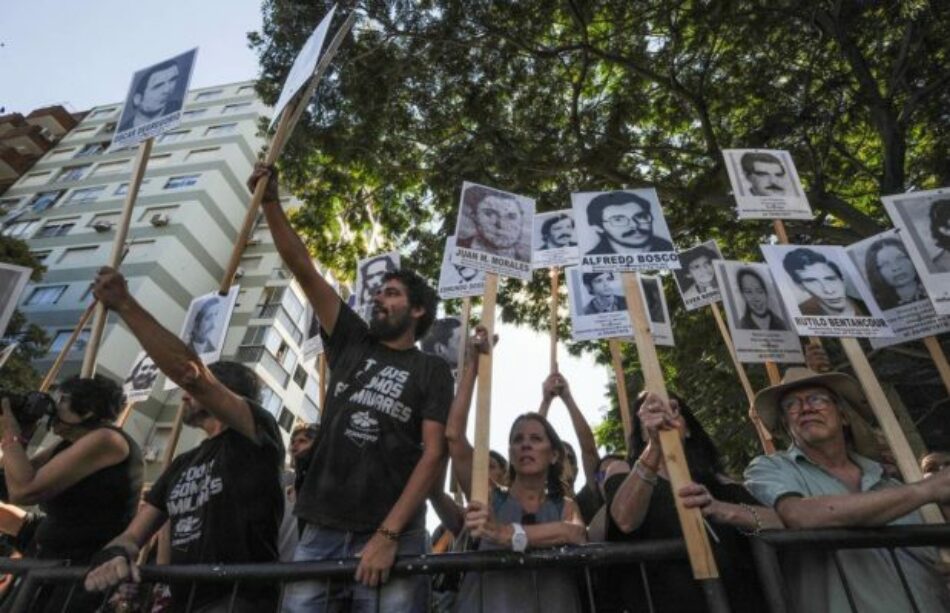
{"type": "Point", "coordinates": [555, 240]}
{"type": "Point", "coordinates": [206, 325]}
{"type": "Point", "coordinates": [597, 305]}
{"type": "Point", "coordinates": [623, 231]}
{"type": "Point", "coordinates": [457, 280]}
{"type": "Point", "coordinates": [696, 277]}
{"type": "Point", "coordinates": [138, 384]}
{"type": "Point", "coordinates": [494, 231]}
{"type": "Point", "coordinates": [766, 184]}
{"type": "Point", "coordinates": [13, 280]}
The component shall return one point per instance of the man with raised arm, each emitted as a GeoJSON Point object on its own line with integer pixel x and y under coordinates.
{"type": "Point", "coordinates": [825, 480]}
{"type": "Point", "coordinates": [223, 499]}
{"type": "Point", "coordinates": [381, 444]}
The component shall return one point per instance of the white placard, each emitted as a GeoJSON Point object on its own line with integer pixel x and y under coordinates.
{"type": "Point", "coordinates": [597, 305]}
{"type": "Point", "coordinates": [623, 231]}
{"type": "Point", "coordinates": [817, 284]}
{"type": "Point", "coordinates": [696, 279]}
{"type": "Point", "coordinates": [138, 385]}
{"type": "Point", "coordinates": [555, 240]}
{"type": "Point", "coordinates": [756, 317]}
{"type": "Point", "coordinates": [458, 280]}
{"type": "Point", "coordinates": [654, 300]}
{"type": "Point", "coordinates": [443, 339]}
{"type": "Point", "coordinates": [153, 104]}
{"type": "Point", "coordinates": [13, 280]}
{"type": "Point", "coordinates": [206, 325]}
{"type": "Point", "coordinates": [888, 274]}
{"type": "Point", "coordinates": [766, 184]}
{"type": "Point", "coordinates": [923, 219]}
{"type": "Point", "coordinates": [494, 231]}
{"type": "Point", "coordinates": [312, 346]}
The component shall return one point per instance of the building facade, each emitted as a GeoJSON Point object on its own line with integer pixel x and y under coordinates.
{"type": "Point", "coordinates": [24, 140]}
{"type": "Point", "coordinates": [184, 225]}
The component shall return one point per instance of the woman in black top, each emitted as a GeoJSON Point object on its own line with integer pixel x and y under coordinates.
{"type": "Point", "coordinates": [88, 484]}
{"type": "Point", "coordinates": [641, 507]}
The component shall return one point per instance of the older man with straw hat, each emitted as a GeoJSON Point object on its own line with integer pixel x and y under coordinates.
{"type": "Point", "coordinates": [826, 479]}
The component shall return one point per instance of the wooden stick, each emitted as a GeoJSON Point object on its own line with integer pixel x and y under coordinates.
{"type": "Point", "coordinates": [480, 483]}
{"type": "Point", "coordinates": [939, 358]}
{"type": "Point", "coordinates": [57, 365]}
{"type": "Point", "coordinates": [118, 246]}
{"type": "Point", "coordinates": [697, 543]}
{"type": "Point", "coordinates": [765, 437]}
{"type": "Point", "coordinates": [775, 377]}
{"type": "Point", "coordinates": [465, 317]}
{"type": "Point", "coordinates": [780, 232]}
{"type": "Point", "coordinates": [623, 400]}
{"type": "Point", "coordinates": [322, 371]}
{"type": "Point", "coordinates": [173, 437]}
{"type": "Point", "coordinates": [124, 415]}
{"type": "Point", "coordinates": [552, 326]}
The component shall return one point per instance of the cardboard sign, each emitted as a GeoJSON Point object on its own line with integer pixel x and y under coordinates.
{"type": "Point", "coordinates": [494, 231]}
{"type": "Point", "coordinates": [555, 240]}
{"type": "Point", "coordinates": [696, 279]}
{"type": "Point", "coordinates": [766, 184]}
{"type": "Point", "coordinates": [458, 280]}
{"type": "Point", "coordinates": [206, 325]}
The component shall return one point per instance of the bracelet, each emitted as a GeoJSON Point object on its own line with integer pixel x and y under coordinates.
{"type": "Point", "coordinates": [755, 516]}
{"type": "Point", "coordinates": [646, 464]}
{"type": "Point", "coordinates": [641, 471]}
{"type": "Point", "coordinates": [393, 536]}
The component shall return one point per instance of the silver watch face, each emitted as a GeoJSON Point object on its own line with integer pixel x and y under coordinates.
{"type": "Point", "coordinates": [519, 540]}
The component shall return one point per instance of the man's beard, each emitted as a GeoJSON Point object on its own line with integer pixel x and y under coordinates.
{"type": "Point", "coordinates": [194, 417]}
{"type": "Point", "coordinates": [385, 330]}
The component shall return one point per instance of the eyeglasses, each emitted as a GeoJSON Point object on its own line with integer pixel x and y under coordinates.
{"type": "Point", "coordinates": [794, 404]}
{"type": "Point", "coordinates": [624, 221]}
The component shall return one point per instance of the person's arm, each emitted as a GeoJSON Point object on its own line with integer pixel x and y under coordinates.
{"type": "Point", "coordinates": [294, 253]}
{"type": "Point", "coordinates": [749, 518]}
{"type": "Point", "coordinates": [121, 568]}
{"type": "Point", "coordinates": [379, 553]}
{"type": "Point", "coordinates": [450, 515]}
{"type": "Point", "coordinates": [173, 357]}
{"type": "Point", "coordinates": [549, 391]}
{"type": "Point", "coordinates": [570, 530]}
{"type": "Point", "coordinates": [585, 436]}
{"type": "Point", "coordinates": [28, 485]}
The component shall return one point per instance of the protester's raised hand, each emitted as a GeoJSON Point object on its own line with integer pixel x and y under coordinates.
{"type": "Point", "coordinates": [655, 414]}
{"type": "Point", "coordinates": [478, 344]}
{"type": "Point", "coordinates": [816, 358]}
{"type": "Point", "coordinates": [110, 288]}
{"type": "Point", "coordinates": [551, 387]}
{"type": "Point", "coordinates": [117, 569]}
{"type": "Point", "coordinates": [268, 173]}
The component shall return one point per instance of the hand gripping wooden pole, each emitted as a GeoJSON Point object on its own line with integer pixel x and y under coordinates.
{"type": "Point", "coordinates": [765, 437]}
{"type": "Point", "coordinates": [552, 326]}
{"type": "Point", "coordinates": [939, 358]}
{"type": "Point", "coordinates": [691, 520]}
{"type": "Point", "coordinates": [623, 400]}
{"type": "Point", "coordinates": [118, 247]}
{"type": "Point", "coordinates": [483, 402]}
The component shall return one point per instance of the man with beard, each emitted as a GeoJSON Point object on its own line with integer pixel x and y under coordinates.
{"type": "Point", "coordinates": [499, 223]}
{"type": "Point", "coordinates": [382, 435]}
{"type": "Point", "coordinates": [624, 223]}
{"type": "Point", "coordinates": [223, 499]}
{"type": "Point", "coordinates": [755, 293]}
{"type": "Point", "coordinates": [557, 232]}
{"type": "Point", "coordinates": [766, 174]}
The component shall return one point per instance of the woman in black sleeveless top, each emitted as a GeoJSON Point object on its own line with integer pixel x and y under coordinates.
{"type": "Point", "coordinates": [88, 485]}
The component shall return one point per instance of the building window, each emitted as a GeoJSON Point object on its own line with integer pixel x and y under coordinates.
{"type": "Point", "coordinates": [104, 218]}
{"type": "Point", "coordinates": [270, 301]}
{"type": "Point", "coordinates": [221, 130]}
{"type": "Point", "coordinates": [150, 212]}
{"type": "Point", "coordinates": [286, 419]}
{"type": "Point", "coordinates": [235, 108]}
{"type": "Point", "coordinates": [59, 341]}
{"type": "Point", "coordinates": [109, 168]}
{"type": "Point", "coordinates": [82, 133]}
{"type": "Point", "coordinates": [208, 95]}
{"type": "Point", "coordinates": [181, 182]}
{"type": "Point", "coordinates": [193, 113]}
{"type": "Point", "coordinates": [44, 200]}
{"type": "Point", "coordinates": [91, 149]}
{"type": "Point", "coordinates": [46, 295]}
{"type": "Point", "coordinates": [20, 229]}
{"type": "Point", "coordinates": [40, 256]}
{"type": "Point", "coordinates": [35, 178]}
{"type": "Point", "coordinates": [123, 188]}
{"type": "Point", "coordinates": [8, 204]}
{"type": "Point", "coordinates": [200, 155]}
{"type": "Point", "coordinates": [139, 250]}
{"type": "Point", "coordinates": [60, 154]}
{"type": "Point", "coordinates": [300, 377]}
{"type": "Point", "coordinates": [54, 229]}
{"type": "Point", "coordinates": [79, 256]}
{"type": "Point", "coordinates": [73, 173]}
{"type": "Point", "coordinates": [109, 128]}
{"type": "Point", "coordinates": [159, 160]}
{"type": "Point", "coordinates": [85, 195]}
{"type": "Point", "coordinates": [245, 90]}
{"type": "Point", "coordinates": [99, 113]}
{"type": "Point", "coordinates": [173, 137]}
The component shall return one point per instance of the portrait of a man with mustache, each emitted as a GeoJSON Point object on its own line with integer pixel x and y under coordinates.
{"type": "Point", "coordinates": [624, 223]}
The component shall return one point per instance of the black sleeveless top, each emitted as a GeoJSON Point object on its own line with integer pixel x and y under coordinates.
{"type": "Point", "coordinates": [83, 518]}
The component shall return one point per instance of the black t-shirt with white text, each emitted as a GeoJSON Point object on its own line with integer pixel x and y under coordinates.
{"type": "Point", "coordinates": [224, 502]}
{"type": "Point", "coordinates": [370, 437]}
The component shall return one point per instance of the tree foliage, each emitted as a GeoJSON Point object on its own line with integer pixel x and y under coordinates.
{"type": "Point", "coordinates": [546, 98]}
{"type": "Point", "coordinates": [18, 373]}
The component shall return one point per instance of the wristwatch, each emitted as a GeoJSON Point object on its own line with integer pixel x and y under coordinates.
{"type": "Point", "coordinates": [519, 538]}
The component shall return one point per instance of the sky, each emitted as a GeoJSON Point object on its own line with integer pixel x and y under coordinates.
{"type": "Point", "coordinates": [83, 54]}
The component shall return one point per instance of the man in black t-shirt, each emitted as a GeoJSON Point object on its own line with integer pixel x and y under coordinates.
{"type": "Point", "coordinates": [223, 499]}
{"type": "Point", "coordinates": [381, 443]}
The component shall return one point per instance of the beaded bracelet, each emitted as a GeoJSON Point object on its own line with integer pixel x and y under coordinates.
{"type": "Point", "coordinates": [755, 516]}
{"type": "Point", "coordinates": [393, 536]}
{"type": "Point", "coordinates": [641, 471]}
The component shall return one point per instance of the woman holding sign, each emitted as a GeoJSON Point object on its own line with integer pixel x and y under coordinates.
{"type": "Point", "coordinates": [533, 512]}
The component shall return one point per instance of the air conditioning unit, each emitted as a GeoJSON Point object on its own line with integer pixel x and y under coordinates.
{"type": "Point", "coordinates": [102, 226]}
{"type": "Point", "coordinates": [159, 220]}
{"type": "Point", "coordinates": [238, 273]}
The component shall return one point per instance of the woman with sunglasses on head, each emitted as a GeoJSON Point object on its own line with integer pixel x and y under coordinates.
{"type": "Point", "coordinates": [640, 506]}
{"type": "Point", "coordinates": [87, 484]}
{"type": "Point", "coordinates": [532, 513]}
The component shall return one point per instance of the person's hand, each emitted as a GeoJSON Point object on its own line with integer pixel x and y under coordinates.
{"type": "Point", "coordinates": [119, 569]}
{"type": "Point", "coordinates": [656, 415]}
{"type": "Point", "coordinates": [697, 496]}
{"type": "Point", "coordinates": [816, 358]}
{"type": "Point", "coordinates": [478, 344]}
{"type": "Point", "coordinates": [937, 487]}
{"type": "Point", "coordinates": [376, 558]}
{"type": "Point", "coordinates": [481, 523]}
{"type": "Point", "coordinates": [268, 173]}
{"type": "Point", "coordinates": [111, 289]}
{"type": "Point", "coordinates": [552, 386]}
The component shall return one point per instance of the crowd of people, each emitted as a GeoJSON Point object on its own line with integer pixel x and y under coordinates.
{"type": "Point", "coordinates": [393, 416]}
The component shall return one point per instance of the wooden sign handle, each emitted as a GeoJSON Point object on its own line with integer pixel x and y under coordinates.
{"type": "Point", "coordinates": [322, 372]}
{"type": "Point", "coordinates": [483, 402]}
{"type": "Point", "coordinates": [465, 317]}
{"type": "Point", "coordinates": [552, 326]}
{"type": "Point", "coordinates": [623, 400]}
{"type": "Point", "coordinates": [691, 520]}
{"type": "Point", "coordinates": [939, 358]}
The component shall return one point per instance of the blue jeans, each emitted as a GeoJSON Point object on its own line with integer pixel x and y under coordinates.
{"type": "Point", "coordinates": [398, 595]}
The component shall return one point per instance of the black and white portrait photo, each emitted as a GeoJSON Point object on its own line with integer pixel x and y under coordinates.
{"type": "Point", "coordinates": [605, 292]}
{"type": "Point", "coordinates": [655, 301]}
{"type": "Point", "coordinates": [623, 231]}
{"type": "Point", "coordinates": [444, 339]}
{"type": "Point", "coordinates": [370, 272]}
{"type": "Point", "coordinates": [458, 280]}
{"type": "Point", "coordinates": [598, 307]}
{"type": "Point", "coordinates": [138, 384]}
{"type": "Point", "coordinates": [923, 220]}
{"type": "Point", "coordinates": [13, 280]}
{"type": "Point", "coordinates": [494, 231]}
{"type": "Point", "coordinates": [757, 319]}
{"type": "Point", "coordinates": [766, 184]}
{"type": "Point", "coordinates": [817, 285]}
{"type": "Point", "coordinates": [888, 272]}
{"type": "Point", "coordinates": [153, 104]}
{"type": "Point", "coordinates": [555, 239]}
{"type": "Point", "coordinates": [696, 277]}
{"type": "Point", "coordinates": [206, 325]}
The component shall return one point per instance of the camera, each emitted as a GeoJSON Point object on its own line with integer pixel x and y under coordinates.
{"type": "Point", "coordinates": [29, 407]}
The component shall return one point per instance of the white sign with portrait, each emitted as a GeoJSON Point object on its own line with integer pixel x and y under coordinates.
{"type": "Point", "coordinates": [458, 280]}
{"type": "Point", "coordinates": [817, 284]}
{"type": "Point", "coordinates": [444, 339]}
{"type": "Point", "coordinates": [153, 104]}
{"type": "Point", "coordinates": [206, 325]}
{"type": "Point", "coordinates": [597, 305]}
{"type": "Point", "coordinates": [623, 231]}
{"type": "Point", "coordinates": [757, 319]}
{"type": "Point", "coordinates": [494, 231]}
{"type": "Point", "coordinates": [654, 299]}
{"type": "Point", "coordinates": [370, 272]}
{"type": "Point", "coordinates": [886, 270]}
{"type": "Point", "coordinates": [13, 280]}
{"type": "Point", "coordinates": [696, 277]}
{"type": "Point", "coordinates": [766, 184]}
{"type": "Point", "coordinates": [923, 219]}
{"type": "Point", "coordinates": [555, 240]}
{"type": "Point", "coordinates": [138, 385]}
